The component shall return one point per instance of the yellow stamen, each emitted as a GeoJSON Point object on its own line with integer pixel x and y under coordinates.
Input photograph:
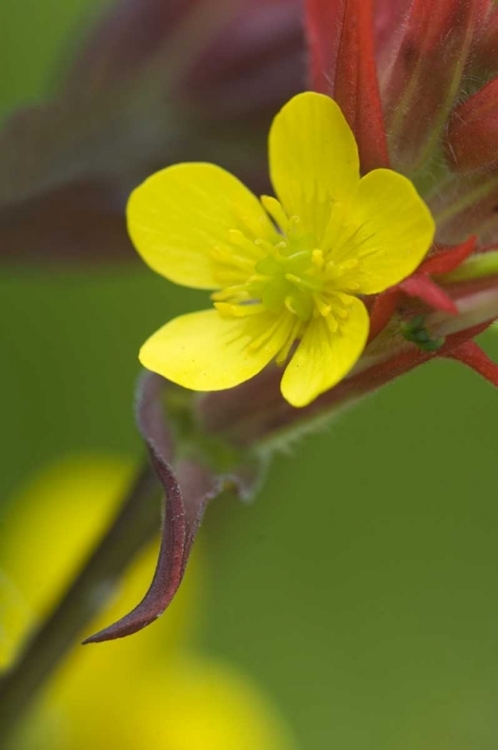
{"type": "Point", "coordinates": [323, 308]}
{"type": "Point", "coordinates": [239, 311]}
{"type": "Point", "coordinates": [306, 285]}
{"type": "Point", "coordinates": [348, 264]}
{"type": "Point", "coordinates": [237, 293]}
{"type": "Point", "coordinates": [332, 323]}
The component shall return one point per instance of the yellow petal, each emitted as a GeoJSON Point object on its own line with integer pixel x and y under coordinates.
{"type": "Point", "coordinates": [34, 574]}
{"type": "Point", "coordinates": [313, 159]}
{"type": "Point", "coordinates": [205, 351]}
{"type": "Point", "coordinates": [180, 701]}
{"type": "Point", "coordinates": [212, 706]}
{"type": "Point", "coordinates": [390, 232]}
{"type": "Point", "coordinates": [189, 221]}
{"type": "Point", "coordinates": [324, 357]}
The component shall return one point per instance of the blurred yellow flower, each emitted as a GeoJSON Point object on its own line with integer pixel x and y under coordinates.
{"type": "Point", "coordinates": [48, 533]}
{"type": "Point", "coordinates": [150, 691]}
{"type": "Point", "coordinates": [285, 270]}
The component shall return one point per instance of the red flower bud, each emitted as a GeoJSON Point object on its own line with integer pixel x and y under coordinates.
{"type": "Point", "coordinates": [467, 204]}
{"type": "Point", "coordinates": [426, 73]}
{"type": "Point", "coordinates": [472, 136]}
{"type": "Point", "coordinates": [390, 18]}
{"type": "Point", "coordinates": [485, 55]}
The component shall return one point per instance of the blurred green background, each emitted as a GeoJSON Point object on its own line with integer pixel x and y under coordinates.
{"type": "Point", "coordinates": [361, 587]}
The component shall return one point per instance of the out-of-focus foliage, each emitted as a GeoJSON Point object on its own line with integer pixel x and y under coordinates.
{"type": "Point", "coordinates": [151, 83]}
{"type": "Point", "coordinates": [156, 691]}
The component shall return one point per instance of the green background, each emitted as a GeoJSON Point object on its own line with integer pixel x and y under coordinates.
{"type": "Point", "coordinates": [361, 586]}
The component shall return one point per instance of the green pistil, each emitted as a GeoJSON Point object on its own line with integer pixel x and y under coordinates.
{"type": "Point", "coordinates": [289, 277]}
{"type": "Point", "coordinates": [304, 283]}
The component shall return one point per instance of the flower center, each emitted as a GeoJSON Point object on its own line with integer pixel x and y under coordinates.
{"type": "Point", "coordinates": [289, 278]}
{"type": "Point", "coordinates": [293, 275]}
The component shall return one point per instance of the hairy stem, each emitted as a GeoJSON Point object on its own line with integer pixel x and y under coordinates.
{"type": "Point", "coordinates": [137, 521]}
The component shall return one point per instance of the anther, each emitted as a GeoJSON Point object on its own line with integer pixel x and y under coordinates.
{"type": "Point", "coordinates": [304, 284]}
{"type": "Point", "coordinates": [322, 306]}
{"type": "Point", "coordinates": [294, 221]}
{"type": "Point", "coordinates": [238, 311]}
{"type": "Point", "coordinates": [235, 293]}
{"type": "Point", "coordinates": [332, 323]}
{"type": "Point", "coordinates": [289, 305]}
{"type": "Point", "coordinates": [265, 244]}
{"type": "Point", "coordinates": [345, 299]}
{"type": "Point", "coordinates": [352, 263]}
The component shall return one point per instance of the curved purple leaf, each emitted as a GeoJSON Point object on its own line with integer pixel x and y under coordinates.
{"type": "Point", "coordinates": [189, 485]}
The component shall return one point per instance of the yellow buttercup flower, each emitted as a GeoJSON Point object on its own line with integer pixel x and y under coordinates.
{"type": "Point", "coordinates": [284, 271]}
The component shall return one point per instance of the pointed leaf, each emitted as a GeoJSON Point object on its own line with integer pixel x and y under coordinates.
{"type": "Point", "coordinates": [471, 354]}
{"type": "Point", "coordinates": [445, 260]}
{"type": "Point", "coordinates": [356, 86]}
{"type": "Point", "coordinates": [189, 484]}
{"type": "Point", "coordinates": [421, 286]}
